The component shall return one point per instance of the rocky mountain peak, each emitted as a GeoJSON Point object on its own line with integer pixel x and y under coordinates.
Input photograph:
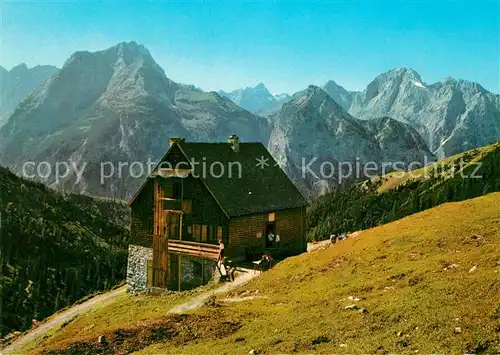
{"type": "Point", "coordinates": [20, 68]}
{"type": "Point", "coordinates": [123, 54]}
{"type": "Point", "coordinates": [405, 73]}
{"type": "Point", "coordinates": [315, 98]}
{"type": "Point", "coordinates": [260, 86]}
{"type": "Point", "coordinates": [339, 94]}
{"type": "Point", "coordinates": [448, 79]}
{"type": "Point", "coordinates": [465, 86]}
{"type": "Point", "coordinates": [260, 89]}
{"type": "Point", "coordinates": [333, 85]}
{"type": "Point", "coordinates": [253, 99]}
{"type": "Point", "coordinates": [392, 81]}
{"type": "Point", "coordinates": [131, 51]}
{"type": "Point", "coordinates": [18, 82]}
{"type": "Point", "coordinates": [312, 127]}
{"type": "Point", "coordinates": [132, 46]}
{"type": "Point", "coordinates": [282, 97]}
{"type": "Point", "coordinates": [452, 115]}
{"type": "Point", "coordinates": [313, 90]}
{"type": "Point", "coordinates": [116, 105]}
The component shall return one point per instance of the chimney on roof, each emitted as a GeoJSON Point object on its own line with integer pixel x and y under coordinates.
{"type": "Point", "coordinates": [172, 140]}
{"type": "Point", "coordinates": [234, 142]}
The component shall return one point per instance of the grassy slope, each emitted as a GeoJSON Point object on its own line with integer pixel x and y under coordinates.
{"type": "Point", "coordinates": [125, 311]}
{"type": "Point", "coordinates": [400, 194]}
{"type": "Point", "coordinates": [399, 270]}
{"type": "Point", "coordinates": [395, 179]}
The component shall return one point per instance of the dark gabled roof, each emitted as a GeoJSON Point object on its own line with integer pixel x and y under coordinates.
{"type": "Point", "coordinates": [255, 190]}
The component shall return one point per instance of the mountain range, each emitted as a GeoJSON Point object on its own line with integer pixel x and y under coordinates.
{"type": "Point", "coordinates": [257, 99]}
{"type": "Point", "coordinates": [452, 115]}
{"type": "Point", "coordinates": [317, 142]}
{"type": "Point", "coordinates": [16, 83]}
{"type": "Point", "coordinates": [112, 108]}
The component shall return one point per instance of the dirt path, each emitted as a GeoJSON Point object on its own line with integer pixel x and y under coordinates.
{"type": "Point", "coordinates": [196, 302]}
{"type": "Point", "coordinates": [318, 245]}
{"type": "Point", "coordinates": [58, 319]}
{"type": "Point", "coordinates": [64, 316]}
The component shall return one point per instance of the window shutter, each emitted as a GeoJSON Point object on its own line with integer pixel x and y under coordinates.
{"type": "Point", "coordinates": [204, 233]}
{"type": "Point", "coordinates": [187, 206]}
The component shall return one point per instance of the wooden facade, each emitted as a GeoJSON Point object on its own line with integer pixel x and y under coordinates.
{"type": "Point", "coordinates": [177, 214]}
{"type": "Point", "coordinates": [288, 224]}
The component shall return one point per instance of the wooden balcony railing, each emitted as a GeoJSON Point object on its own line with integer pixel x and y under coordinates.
{"type": "Point", "coordinates": [202, 250]}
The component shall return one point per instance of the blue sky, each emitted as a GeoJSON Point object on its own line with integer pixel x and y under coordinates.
{"type": "Point", "coordinates": [286, 45]}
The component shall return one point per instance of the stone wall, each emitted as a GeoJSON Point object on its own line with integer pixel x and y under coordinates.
{"type": "Point", "coordinates": [196, 272]}
{"type": "Point", "coordinates": [137, 268]}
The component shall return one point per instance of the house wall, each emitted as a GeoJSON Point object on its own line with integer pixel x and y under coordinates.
{"type": "Point", "coordinates": [142, 212]}
{"type": "Point", "coordinates": [290, 225]}
{"type": "Point", "coordinates": [205, 210]}
{"type": "Point", "coordinates": [142, 209]}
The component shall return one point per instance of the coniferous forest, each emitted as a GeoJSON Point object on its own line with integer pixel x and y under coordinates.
{"type": "Point", "coordinates": [362, 205]}
{"type": "Point", "coordinates": [55, 249]}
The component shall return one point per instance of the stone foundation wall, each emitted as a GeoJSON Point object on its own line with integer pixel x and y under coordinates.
{"type": "Point", "coordinates": [196, 272]}
{"type": "Point", "coordinates": [137, 268]}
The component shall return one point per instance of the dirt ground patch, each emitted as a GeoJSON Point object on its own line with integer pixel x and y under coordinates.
{"type": "Point", "coordinates": [178, 329]}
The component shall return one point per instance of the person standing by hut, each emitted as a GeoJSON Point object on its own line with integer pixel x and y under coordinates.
{"type": "Point", "coordinates": [221, 251]}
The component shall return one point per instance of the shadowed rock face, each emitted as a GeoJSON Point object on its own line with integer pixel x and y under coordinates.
{"type": "Point", "coordinates": [113, 106]}
{"type": "Point", "coordinates": [451, 115]}
{"type": "Point", "coordinates": [280, 100]}
{"type": "Point", "coordinates": [314, 128]}
{"type": "Point", "coordinates": [340, 95]}
{"type": "Point", "coordinates": [19, 82]}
